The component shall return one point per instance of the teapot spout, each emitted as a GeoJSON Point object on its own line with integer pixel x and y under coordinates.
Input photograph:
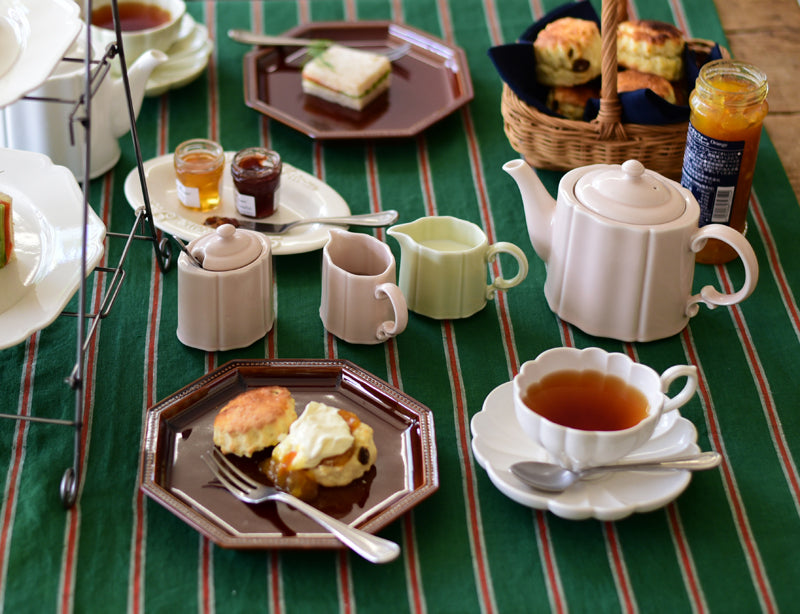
{"type": "Point", "coordinates": [138, 74]}
{"type": "Point", "coordinates": [539, 206]}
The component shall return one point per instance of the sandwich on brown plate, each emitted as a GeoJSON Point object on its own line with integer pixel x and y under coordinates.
{"type": "Point", "coordinates": [351, 78]}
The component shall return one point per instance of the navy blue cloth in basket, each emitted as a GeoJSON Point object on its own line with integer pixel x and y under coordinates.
{"type": "Point", "coordinates": [516, 65]}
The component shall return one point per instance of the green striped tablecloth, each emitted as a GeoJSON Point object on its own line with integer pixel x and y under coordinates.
{"type": "Point", "coordinates": [730, 543]}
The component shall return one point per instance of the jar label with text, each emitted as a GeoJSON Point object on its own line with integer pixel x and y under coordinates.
{"type": "Point", "coordinates": [710, 172]}
{"type": "Point", "coordinates": [189, 197]}
{"type": "Point", "coordinates": [245, 204]}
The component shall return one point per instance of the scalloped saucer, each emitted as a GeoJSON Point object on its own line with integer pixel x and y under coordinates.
{"type": "Point", "coordinates": [498, 442]}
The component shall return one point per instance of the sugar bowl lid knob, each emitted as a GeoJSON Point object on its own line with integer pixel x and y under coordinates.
{"type": "Point", "coordinates": [226, 249]}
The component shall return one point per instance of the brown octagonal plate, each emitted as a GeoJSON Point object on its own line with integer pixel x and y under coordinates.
{"type": "Point", "coordinates": [179, 430]}
{"type": "Point", "coordinates": [428, 83]}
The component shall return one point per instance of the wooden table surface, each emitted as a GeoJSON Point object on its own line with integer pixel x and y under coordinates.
{"type": "Point", "coordinates": [767, 34]}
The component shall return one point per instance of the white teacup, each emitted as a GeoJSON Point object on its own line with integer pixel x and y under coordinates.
{"type": "Point", "coordinates": [361, 302]}
{"type": "Point", "coordinates": [579, 446]}
{"type": "Point", "coordinates": [136, 42]}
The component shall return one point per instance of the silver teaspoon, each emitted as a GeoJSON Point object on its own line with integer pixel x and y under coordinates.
{"type": "Point", "coordinates": [555, 478]}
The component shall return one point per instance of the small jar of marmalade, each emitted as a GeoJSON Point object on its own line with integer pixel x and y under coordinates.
{"type": "Point", "coordinates": [198, 168]}
{"type": "Point", "coordinates": [728, 107]}
{"type": "Point", "coordinates": [256, 176]}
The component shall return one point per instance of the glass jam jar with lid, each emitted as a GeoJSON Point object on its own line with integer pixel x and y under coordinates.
{"type": "Point", "coordinates": [256, 173]}
{"type": "Point", "coordinates": [728, 107]}
{"type": "Point", "coordinates": [198, 169]}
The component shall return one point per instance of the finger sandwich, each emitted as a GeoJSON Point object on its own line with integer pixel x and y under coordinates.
{"type": "Point", "coordinates": [348, 77]}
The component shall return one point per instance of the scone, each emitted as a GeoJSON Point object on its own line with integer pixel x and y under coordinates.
{"type": "Point", "coordinates": [630, 80]}
{"type": "Point", "coordinates": [6, 230]}
{"type": "Point", "coordinates": [348, 77]}
{"type": "Point", "coordinates": [650, 46]}
{"type": "Point", "coordinates": [326, 446]}
{"type": "Point", "coordinates": [567, 52]}
{"type": "Point", "coordinates": [571, 101]}
{"type": "Point", "coordinates": [254, 420]}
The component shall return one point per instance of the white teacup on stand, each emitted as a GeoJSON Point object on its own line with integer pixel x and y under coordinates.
{"type": "Point", "coordinates": [361, 302]}
{"type": "Point", "coordinates": [579, 448]}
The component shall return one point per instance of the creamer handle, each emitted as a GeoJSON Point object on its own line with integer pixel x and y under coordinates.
{"type": "Point", "coordinates": [500, 283]}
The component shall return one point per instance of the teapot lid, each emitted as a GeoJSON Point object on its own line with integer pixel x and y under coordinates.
{"type": "Point", "coordinates": [629, 194]}
{"type": "Point", "coordinates": [226, 249]}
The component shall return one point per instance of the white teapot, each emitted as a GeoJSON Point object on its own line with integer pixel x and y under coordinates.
{"type": "Point", "coordinates": [619, 245]}
{"type": "Point", "coordinates": [44, 127]}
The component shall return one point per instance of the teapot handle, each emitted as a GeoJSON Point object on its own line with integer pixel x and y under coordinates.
{"type": "Point", "coordinates": [500, 283]}
{"type": "Point", "coordinates": [710, 295]}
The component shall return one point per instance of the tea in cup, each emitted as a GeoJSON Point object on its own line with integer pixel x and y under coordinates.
{"type": "Point", "coordinates": [444, 266]}
{"type": "Point", "coordinates": [591, 407]}
{"type": "Point", "coordinates": [144, 24]}
{"type": "Point", "coordinates": [361, 302]}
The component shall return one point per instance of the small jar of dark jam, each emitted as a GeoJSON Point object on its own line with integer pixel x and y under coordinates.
{"type": "Point", "coordinates": [256, 176]}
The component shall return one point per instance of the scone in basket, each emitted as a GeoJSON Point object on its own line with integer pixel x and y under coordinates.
{"type": "Point", "coordinates": [556, 143]}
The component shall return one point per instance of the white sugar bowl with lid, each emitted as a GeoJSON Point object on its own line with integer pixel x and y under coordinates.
{"type": "Point", "coordinates": [225, 297]}
{"type": "Point", "coordinates": [619, 244]}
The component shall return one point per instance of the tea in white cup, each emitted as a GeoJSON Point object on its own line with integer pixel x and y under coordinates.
{"type": "Point", "coordinates": [591, 407]}
{"type": "Point", "coordinates": [144, 24]}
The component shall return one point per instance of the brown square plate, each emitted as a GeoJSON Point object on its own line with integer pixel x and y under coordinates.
{"type": "Point", "coordinates": [180, 428]}
{"type": "Point", "coordinates": [428, 83]}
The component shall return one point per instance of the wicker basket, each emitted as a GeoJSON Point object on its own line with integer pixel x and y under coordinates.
{"type": "Point", "coordinates": [557, 143]}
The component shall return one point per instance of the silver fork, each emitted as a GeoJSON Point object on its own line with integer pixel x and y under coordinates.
{"type": "Point", "coordinates": [255, 38]}
{"type": "Point", "coordinates": [373, 548]}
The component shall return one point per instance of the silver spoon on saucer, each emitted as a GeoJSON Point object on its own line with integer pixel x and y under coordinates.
{"type": "Point", "coordinates": [555, 478]}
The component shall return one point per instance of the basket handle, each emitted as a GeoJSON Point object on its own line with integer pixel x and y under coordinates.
{"type": "Point", "coordinates": [610, 113]}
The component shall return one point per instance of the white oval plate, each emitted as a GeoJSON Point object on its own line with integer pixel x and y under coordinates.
{"type": "Point", "coordinates": [300, 196]}
{"type": "Point", "coordinates": [42, 30]}
{"type": "Point", "coordinates": [48, 230]}
{"type": "Point", "coordinates": [497, 443]}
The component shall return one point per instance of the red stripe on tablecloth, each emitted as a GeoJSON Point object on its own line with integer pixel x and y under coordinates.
{"type": "Point", "coordinates": [767, 401]}
{"type": "Point", "coordinates": [792, 311]}
{"type": "Point", "coordinates": [699, 605]}
{"type": "Point", "coordinates": [775, 263]}
{"type": "Point", "coordinates": [410, 554]}
{"type": "Point", "coordinates": [554, 588]}
{"type": "Point", "coordinates": [345, 584]}
{"type": "Point", "coordinates": [628, 601]}
{"type": "Point", "coordinates": [685, 561]}
{"type": "Point", "coordinates": [479, 558]}
{"type": "Point", "coordinates": [737, 507]}
{"type": "Point", "coordinates": [206, 605]}
{"type": "Point", "coordinates": [213, 102]}
{"type": "Point", "coordinates": [425, 177]}
{"type": "Point", "coordinates": [89, 366]}
{"type": "Point", "coordinates": [276, 591]}
{"type": "Point", "coordinates": [680, 16]}
{"type": "Point", "coordinates": [412, 564]}
{"type": "Point", "coordinates": [149, 389]}
{"type": "Point", "coordinates": [15, 470]}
